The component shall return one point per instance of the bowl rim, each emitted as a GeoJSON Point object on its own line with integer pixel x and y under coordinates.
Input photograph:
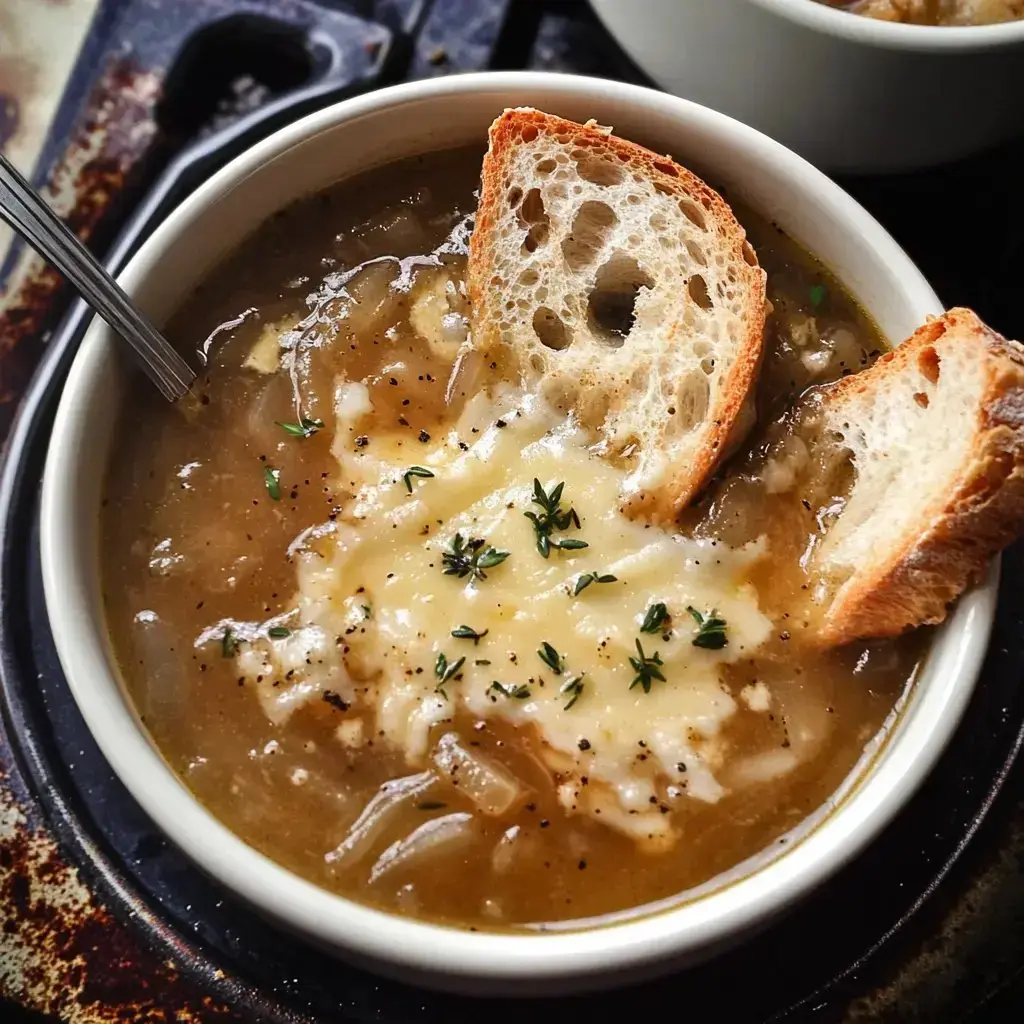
{"type": "Point", "coordinates": [438, 949]}
{"type": "Point", "coordinates": [892, 35]}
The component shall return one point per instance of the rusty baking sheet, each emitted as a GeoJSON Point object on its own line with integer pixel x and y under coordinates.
{"type": "Point", "coordinates": [155, 75]}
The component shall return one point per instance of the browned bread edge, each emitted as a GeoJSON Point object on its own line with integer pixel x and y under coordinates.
{"type": "Point", "coordinates": [956, 540]}
{"type": "Point", "coordinates": [519, 125]}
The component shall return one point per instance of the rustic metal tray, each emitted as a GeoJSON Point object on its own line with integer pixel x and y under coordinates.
{"type": "Point", "coordinates": [105, 920]}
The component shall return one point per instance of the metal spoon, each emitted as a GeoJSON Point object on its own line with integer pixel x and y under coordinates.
{"type": "Point", "coordinates": [23, 208]}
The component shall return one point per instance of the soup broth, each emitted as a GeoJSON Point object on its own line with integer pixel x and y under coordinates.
{"type": "Point", "coordinates": [273, 552]}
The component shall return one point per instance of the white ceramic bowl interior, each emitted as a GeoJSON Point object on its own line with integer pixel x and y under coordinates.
{"type": "Point", "coordinates": [849, 93]}
{"type": "Point", "coordinates": [312, 154]}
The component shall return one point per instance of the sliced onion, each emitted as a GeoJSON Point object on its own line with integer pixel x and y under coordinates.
{"type": "Point", "coordinates": [808, 723]}
{"type": "Point", "coordinates": [165, 692]}
{"type": "Point", "coordinates": [378, 815]}
{"type": "Point", "coordinates": [486, 783]}
{"type": "Point", "coordinates": [437, 836]}
{"type": "Point", "coordinates": [492, 909]}
{"type": "Point", "coordinates": [763, 767]}
{"type": "Point", "coordinates": [506, 851]}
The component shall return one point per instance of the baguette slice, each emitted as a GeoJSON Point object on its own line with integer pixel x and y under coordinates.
{"type": "Point", "coordinates": [936, 432]}
{"type": "Point", "coordinates": [624, 288]}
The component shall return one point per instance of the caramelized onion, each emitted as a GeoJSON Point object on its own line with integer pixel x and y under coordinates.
{"type": "Point", "coordinates": [439, 835]}
{"type": "Point", "coordinates": [165, 690]}
{"type": "Point", "coordinates": [487, 784]}
{"type": "Point", "coordinates": [378, 815]}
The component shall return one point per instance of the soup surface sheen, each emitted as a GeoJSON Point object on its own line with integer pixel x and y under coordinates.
{"type": "Point", "coordinates": [337, 619]}
{"type": "Point", "coordinates": [935, 12]}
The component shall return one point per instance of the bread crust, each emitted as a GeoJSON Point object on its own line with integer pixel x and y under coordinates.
{"type": "Point", "coordinates": [953, 541]}
{"type": "Point", "coordinates": [514, 127]}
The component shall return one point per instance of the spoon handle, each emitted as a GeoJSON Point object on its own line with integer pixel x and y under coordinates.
{"type": "Point", "coordinates": [31, 218]}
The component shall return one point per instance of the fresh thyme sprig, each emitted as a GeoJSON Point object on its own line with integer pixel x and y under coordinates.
{"type": "Point", "coordinates": [646, 669]}
{"type": "Point", "coordinates": [278, 632]}
{"type": "Point", "coordinates": [304, 428]}
{"type": "Point", "coordinates": [657, 616]}
{"type": "Point", "coordinates": [412, 471]}
{"type": "Point", "coordinates": [585, 579]}
{"type": "Point", "coordinates": [710, 630]}
{"type": "Point", "coordinates": [553, 517]}
{"type": "Point", "coordinates": [520, 692]}
{"type": "Point", "coordinates": [551, 658]}
{"type": "Point", "coordinates": [444, 670]}
{"type": "Point", "coordinates": [573, 689]}
{"type": "Point", "coordinates": [471, 557]}
{"type": "Point", "coordinates": [469, 633]}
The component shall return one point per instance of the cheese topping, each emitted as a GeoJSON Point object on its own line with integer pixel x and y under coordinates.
{"type": "Point", "coordinates": [376, 610]}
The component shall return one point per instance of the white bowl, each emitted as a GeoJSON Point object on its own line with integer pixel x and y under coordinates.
{"type": "Point", "coordinates": [849, 93]}
{"type": "Point", "coordinates": [314, 153]}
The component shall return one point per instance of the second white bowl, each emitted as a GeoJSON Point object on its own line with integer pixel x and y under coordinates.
{"type": "Point", "coordinates": [849, 93]}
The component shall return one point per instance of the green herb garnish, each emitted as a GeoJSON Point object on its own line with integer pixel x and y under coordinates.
{"type": "Point", "coordinates": [431, 805]}
{"type": "Point", "coordinates": [304, 428]}
{"type": "Point", "coordinates": [415, 471]}
{"type": "Point", "coordinates": [710, 630]}
{"type": "Point", "coordinates": [585, 579]}
{"type": "Point", "coordinates": [573, 689]}
{"type": "Point", "coordinates": [646, 669]}
{"type": "Point", "coordinates": [229, 643]}
{"type": "Point", "coordinates": [444, 670]}
{"type": "Point", "coordinates": [278, 632]}
{"type": "Point", "coordinates": [655, 617]}
{"type": "Point", "coordinates": [272, 479]}
{"type": "Point", "coordinates": [551, 658]}
{"type": "Point", "coordinates": [471, 557]}
{"type": "Point", "coordinates": [554, 517]}
{"type": "Point", "coordinates": [469, 633]}
{"type": "Point", "coordinates": [520, 692]}
{"type": "Point", "coordinates": [818, 294]}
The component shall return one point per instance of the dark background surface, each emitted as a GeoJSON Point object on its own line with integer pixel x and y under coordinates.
{"type": "Point", "coordinates": [927, 926]}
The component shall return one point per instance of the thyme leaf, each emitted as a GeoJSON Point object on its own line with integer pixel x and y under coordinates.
{"type": "Point", "coordinates": [471, 557]}
{"type": "Point", "coordinates": [585, 579]}
{"type": "Point", "coordinates": [656, 616]}
{"type": "Point", "coordinates": [520, 692]}
{"type": "Point", "coordinates": [551, 658]}
{"type": "Point", "coordinates": [553, 517]}
{"type": "Point", "coordinates": [304, 428]}
{"type": "Point", "coordinates": [469, 633]}
{"type": "Point", "coordinates": [573, 689]}
{"type": "Point", "coordinates": [412, 471]}
{"type": "Point", "coordinates": [710, 630]}
{"type": "Point", "coordinates": [444, 670]}
{"type": "Point", "coordinates": [646, 669]}
{"type": "Point", "coordinates": [229, 643]}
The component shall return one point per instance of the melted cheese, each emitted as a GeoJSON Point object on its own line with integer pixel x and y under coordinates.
{"type": "Point", "coordinates": [377, 610]}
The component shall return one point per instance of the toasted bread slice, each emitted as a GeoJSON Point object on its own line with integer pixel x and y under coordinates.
{"type": "Point", "coordinates": [936, 433]}
{"type": "Point", "coordinates": [623, 287]}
